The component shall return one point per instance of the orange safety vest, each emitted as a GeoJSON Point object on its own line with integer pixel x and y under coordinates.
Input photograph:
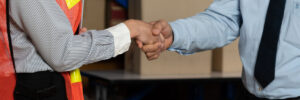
{"type": "Point", "coordinates": [73, 10]}
{"type": "Point", "coordinates": [7, 72]}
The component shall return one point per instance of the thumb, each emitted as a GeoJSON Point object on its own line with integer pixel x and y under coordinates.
{"type": "Point", "coordinates": [139, 43]}
{"type": "Point", "coordinates": [162, 27]}
{"type": "Point", "coordinates": [157, 28]}
{"type": "Point", "coordinates": [167, 30]}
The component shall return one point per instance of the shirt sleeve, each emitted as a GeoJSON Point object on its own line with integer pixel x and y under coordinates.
{"type": "Point", "coordinates": [216, 27]}
{"type": "Point", "coordinates": [49, 30]}
{"type": "Point", "coordinates": [121, 38]}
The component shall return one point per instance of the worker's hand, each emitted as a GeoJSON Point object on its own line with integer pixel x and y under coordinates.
{"type": "Point", "coordinates": [163, 29]}
{"type": "Point", "coordinates": [82, 30]}
{"type": "Point", "coordinates": [142, 33]}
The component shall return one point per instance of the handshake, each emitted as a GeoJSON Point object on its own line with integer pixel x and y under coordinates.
{"type": "Point", "coordinates": [153, 38]}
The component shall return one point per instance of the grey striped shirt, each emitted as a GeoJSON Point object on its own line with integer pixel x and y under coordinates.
{"type": "Point", "coordinates": [42, 39]}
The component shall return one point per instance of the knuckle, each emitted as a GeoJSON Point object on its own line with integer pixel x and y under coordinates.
{"type": "Point", "coordinates": [156, 47]}
{"type": "Point", "coordinates": [146, 49]}
{"type": "Point", "coordinates": [149, 54]}
{"type": "Point", "coordinates": [155, 57]}
{"type": "Point", "coordinates": [157, 51]}
{"type": "Point", "coordinates": [148, 57]}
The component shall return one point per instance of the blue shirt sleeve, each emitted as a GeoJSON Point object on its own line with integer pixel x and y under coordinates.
{"type": "Point", "coordinates": [216, 27]}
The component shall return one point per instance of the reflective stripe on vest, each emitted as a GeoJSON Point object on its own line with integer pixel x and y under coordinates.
{"type": "Point", "coordinates": [73, 10]}
{"type": "Point", "coordinates": [7, 72]}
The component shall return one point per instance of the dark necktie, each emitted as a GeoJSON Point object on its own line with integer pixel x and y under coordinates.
{"type": "Point", "coordinates": [266, 56]}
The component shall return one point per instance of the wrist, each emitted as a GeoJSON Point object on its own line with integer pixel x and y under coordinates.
{"type": "Point", "coordinates": [169, 41]}
{"type": "Point", "coordinates": [130, 24]}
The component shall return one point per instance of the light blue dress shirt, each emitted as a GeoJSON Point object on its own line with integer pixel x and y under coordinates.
{"type": "Point", "coordinates": [225, 20]}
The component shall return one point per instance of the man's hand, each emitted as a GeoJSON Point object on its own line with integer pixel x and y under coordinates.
{"type": "Point", "coordinates": [82, 30]}
{"type": "Point", "coordinates": [142, 33]}
{"type": "Point", "coordinates": [160, 28]}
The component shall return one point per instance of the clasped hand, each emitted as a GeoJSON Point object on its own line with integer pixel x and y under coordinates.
{"type": "Point", "coordinates": [153, 38]}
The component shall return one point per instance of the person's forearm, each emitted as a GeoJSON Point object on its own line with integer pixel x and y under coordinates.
{"type": "Point", "coordinates": [53, 38]}
{"type": "Point", "coordinates": [216, 27]}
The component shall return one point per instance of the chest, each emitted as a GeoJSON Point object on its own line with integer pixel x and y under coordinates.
{"type": "Point", "coordinates": [255, 10]}
{"type": "Point", "coordinates": [253, 13]}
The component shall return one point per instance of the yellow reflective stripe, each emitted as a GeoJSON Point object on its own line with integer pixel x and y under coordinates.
{"type": "Point", "coordinates": [75, 76]}
{"type": "Point", "coordinates": [71, 3]}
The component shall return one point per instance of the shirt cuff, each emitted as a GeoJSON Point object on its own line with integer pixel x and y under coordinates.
{"type": "Point", "coordinates": [122, 38]}
{"type": "Point", "coordinates": [179, 41]}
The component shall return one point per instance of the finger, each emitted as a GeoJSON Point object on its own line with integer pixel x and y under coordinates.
{"type": "Point", "coordinates": [153, 57]}
{"type": "Point", "coordinates": [162, 38]}
{"type": "Point", "coordinates": [151, 48]}
{"type": "Point", "coordinates": [152, 23]}
{"type": "Point", "coordinates": [139, 43]}
{"type": "Point", "coordinates": [149, 54]}
{"type": "Point", "coordinates": [157, 39]}
{"type": "Point", "coordinates": [82, 30]}
{"type": "Point", "coordinates": [162, 42]}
